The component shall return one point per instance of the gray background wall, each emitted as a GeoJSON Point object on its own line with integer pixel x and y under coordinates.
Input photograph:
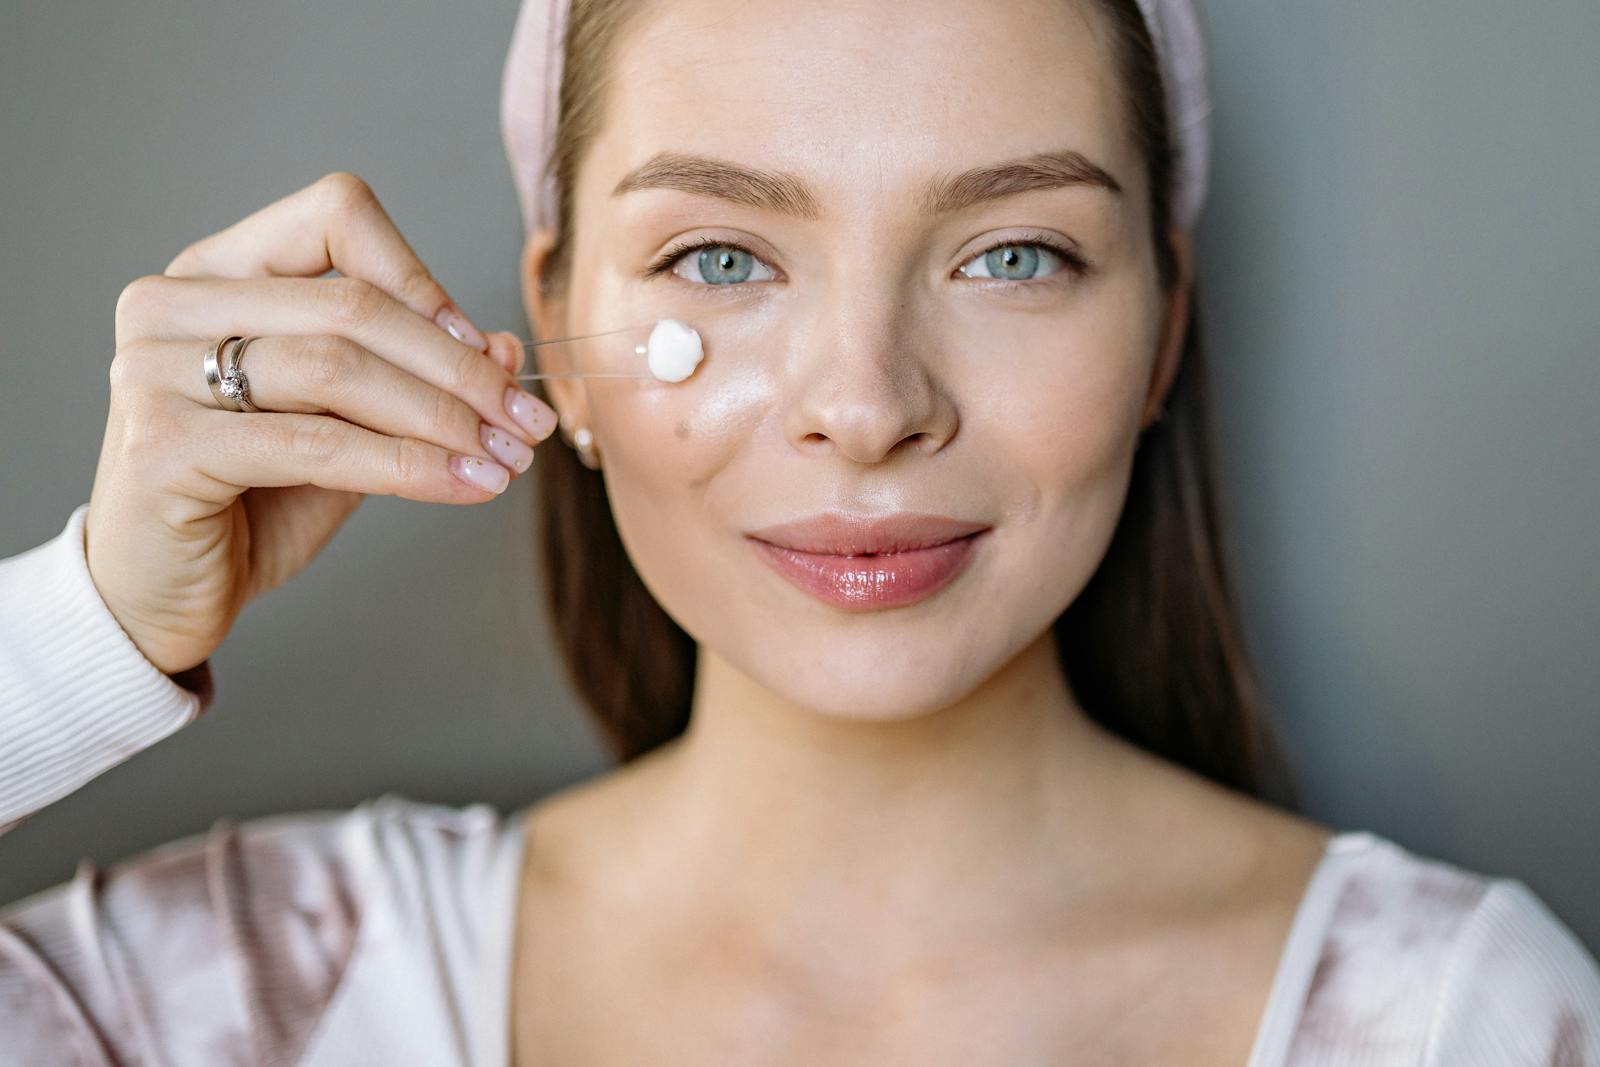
{"type": "Point", "coordinates": [1398, 269]}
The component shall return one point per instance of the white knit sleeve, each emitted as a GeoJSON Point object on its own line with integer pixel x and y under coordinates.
{"type": "Point", "coordinates": [77, 697]}
{"type": "Point", "coordinates": [1519, 990]}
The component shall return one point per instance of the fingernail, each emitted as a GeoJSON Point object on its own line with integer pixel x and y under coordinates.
{"type": "Point", "coordinates": [531, 413]}
{"type": "Point", "coordinates": [454, 321]}
{"type": "Point", "coordinates": [505, 448]}
{"type": "Point", "coordinates": [481, 473]}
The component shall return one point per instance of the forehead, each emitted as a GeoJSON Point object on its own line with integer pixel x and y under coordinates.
{"type": "Point", "coordinates": [865, 95]}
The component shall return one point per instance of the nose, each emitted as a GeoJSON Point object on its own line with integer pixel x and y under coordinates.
{"type": "Point", "coordinates": [868, 384]}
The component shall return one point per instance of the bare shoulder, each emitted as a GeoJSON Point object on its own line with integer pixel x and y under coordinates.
{"type": "Point", "coordinates": [1215, 880]}
{"type": "Point", "coordinates": [1194, 827]}
{"type": "Point", "coordinates": [577, 826]}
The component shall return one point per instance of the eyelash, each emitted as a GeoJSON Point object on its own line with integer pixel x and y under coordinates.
{"type": "Point", "coordinates": [677, 251]}
{"type": "Point", "coordinates": [1076, 265]}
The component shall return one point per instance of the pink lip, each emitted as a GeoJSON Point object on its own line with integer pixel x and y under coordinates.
{"type": "Point", "coordinates": [869, 564]}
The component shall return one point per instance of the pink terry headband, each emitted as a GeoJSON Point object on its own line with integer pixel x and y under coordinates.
{"type": "Point", "coordinates": [531, 81]}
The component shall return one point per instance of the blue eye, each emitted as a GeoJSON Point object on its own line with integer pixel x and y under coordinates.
{"type": "Point", "coordinates": [719, 264]}
{"type": "Point", "coordinates": [1019, 262]}
{"type": "Point", "coordinates": [728, 266]}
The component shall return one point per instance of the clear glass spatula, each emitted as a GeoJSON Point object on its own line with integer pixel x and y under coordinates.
{"type": "Point", "coordinates": [639, 350]}
{"type": "Point", "coordinates": [672, 352]}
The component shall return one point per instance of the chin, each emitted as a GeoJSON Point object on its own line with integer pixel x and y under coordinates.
{"type": "Point", "coordinates": [889, 677]}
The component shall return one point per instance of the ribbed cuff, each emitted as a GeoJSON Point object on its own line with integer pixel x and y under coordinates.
{"type": "Point", "coordinates": [77, 696]}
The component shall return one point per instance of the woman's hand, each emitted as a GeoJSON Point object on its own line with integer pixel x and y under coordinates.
{"type": "Point", "coordinates": [196, 510]}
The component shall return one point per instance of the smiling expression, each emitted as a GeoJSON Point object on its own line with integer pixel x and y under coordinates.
{"type": "Point", "coordinates": [916, 241]}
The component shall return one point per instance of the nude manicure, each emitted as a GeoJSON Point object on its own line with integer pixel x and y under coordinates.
{"type": "Point", "coordinates": [481, 473]}
{"type": "Point", "coordinates": [505, 448]}
{"type": "Point", "coordinates": [453, 321]}
{"type": "Point", "coordinates": [531, 413]}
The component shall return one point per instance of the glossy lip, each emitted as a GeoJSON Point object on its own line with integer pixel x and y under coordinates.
{"type": "Point", "coordinates": [869, 564]}
{"type": "Point", "coordinates": [838, 534]}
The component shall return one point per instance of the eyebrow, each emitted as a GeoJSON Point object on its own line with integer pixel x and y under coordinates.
{"type": "Point", "coordinates": [789, 194]}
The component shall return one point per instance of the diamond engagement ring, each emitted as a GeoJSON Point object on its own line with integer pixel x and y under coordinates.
{"type": "Point", "coordinates": [228, 383]}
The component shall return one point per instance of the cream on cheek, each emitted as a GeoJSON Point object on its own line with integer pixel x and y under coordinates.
{"type": "Point", "coordinates": [673, 350]}
{"type": "Point", "coordinates": [678, 463]}
{"type": "Point", "coordinates": [732, 385]}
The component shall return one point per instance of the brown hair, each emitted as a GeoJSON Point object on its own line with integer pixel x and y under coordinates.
{"type": "Point", "coordinates": [1151, 646]}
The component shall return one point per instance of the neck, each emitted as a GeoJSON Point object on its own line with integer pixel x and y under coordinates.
{"type": "Point", "coordinates": [805, 820]}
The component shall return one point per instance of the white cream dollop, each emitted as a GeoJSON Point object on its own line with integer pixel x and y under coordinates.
{"type": "Point", "coordinates": [674, 350]}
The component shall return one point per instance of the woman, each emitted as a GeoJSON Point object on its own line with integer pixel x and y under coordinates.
{"type": "Point", "coordinates": [903, 612]}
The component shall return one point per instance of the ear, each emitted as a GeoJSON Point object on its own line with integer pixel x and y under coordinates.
{"type": "Point", "coordinates": [547, 315]}
{"type": "Point", "coordinates": [1174, 330]}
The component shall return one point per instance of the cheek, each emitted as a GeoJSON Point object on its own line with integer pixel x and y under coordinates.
{"type": "Point", "coordinates": [1073, 418]}
{"type": "Point", "coordinates": [662, 439]}
{"type": "Point", "coordinates": [1073, 426]}
{"type": "Point", "coordinates": [666, 448]}
{"type": "Point", "coordinates": [663, 449]}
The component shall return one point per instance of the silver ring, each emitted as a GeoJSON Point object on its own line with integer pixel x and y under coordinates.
{"type": "Point", "coordinates": [234, 383]}
{"type": "Point", "coordinates": [214, 375]}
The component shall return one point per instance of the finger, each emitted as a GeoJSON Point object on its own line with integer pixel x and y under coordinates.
{"type": "Point", "coordinates": [335, 223]}
{"type": "Point", "coordinates": [508, 351]}
{"type": "Point", "coordinates": [245, 449]}
{"type": "Point", "coordinates": [156, 307]}
{"type": "Point", "coordinates": [331, 375]}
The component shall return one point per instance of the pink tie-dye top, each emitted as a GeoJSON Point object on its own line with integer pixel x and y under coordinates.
{"type": "Point", "coordinates": [382, 934]}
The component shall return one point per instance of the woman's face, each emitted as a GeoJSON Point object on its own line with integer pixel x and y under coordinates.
{"type": "Point", "coordinates": [895, 321]}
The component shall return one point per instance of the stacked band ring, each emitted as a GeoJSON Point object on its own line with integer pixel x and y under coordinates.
{"type": "Point", "coordinates": [228, 383]}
